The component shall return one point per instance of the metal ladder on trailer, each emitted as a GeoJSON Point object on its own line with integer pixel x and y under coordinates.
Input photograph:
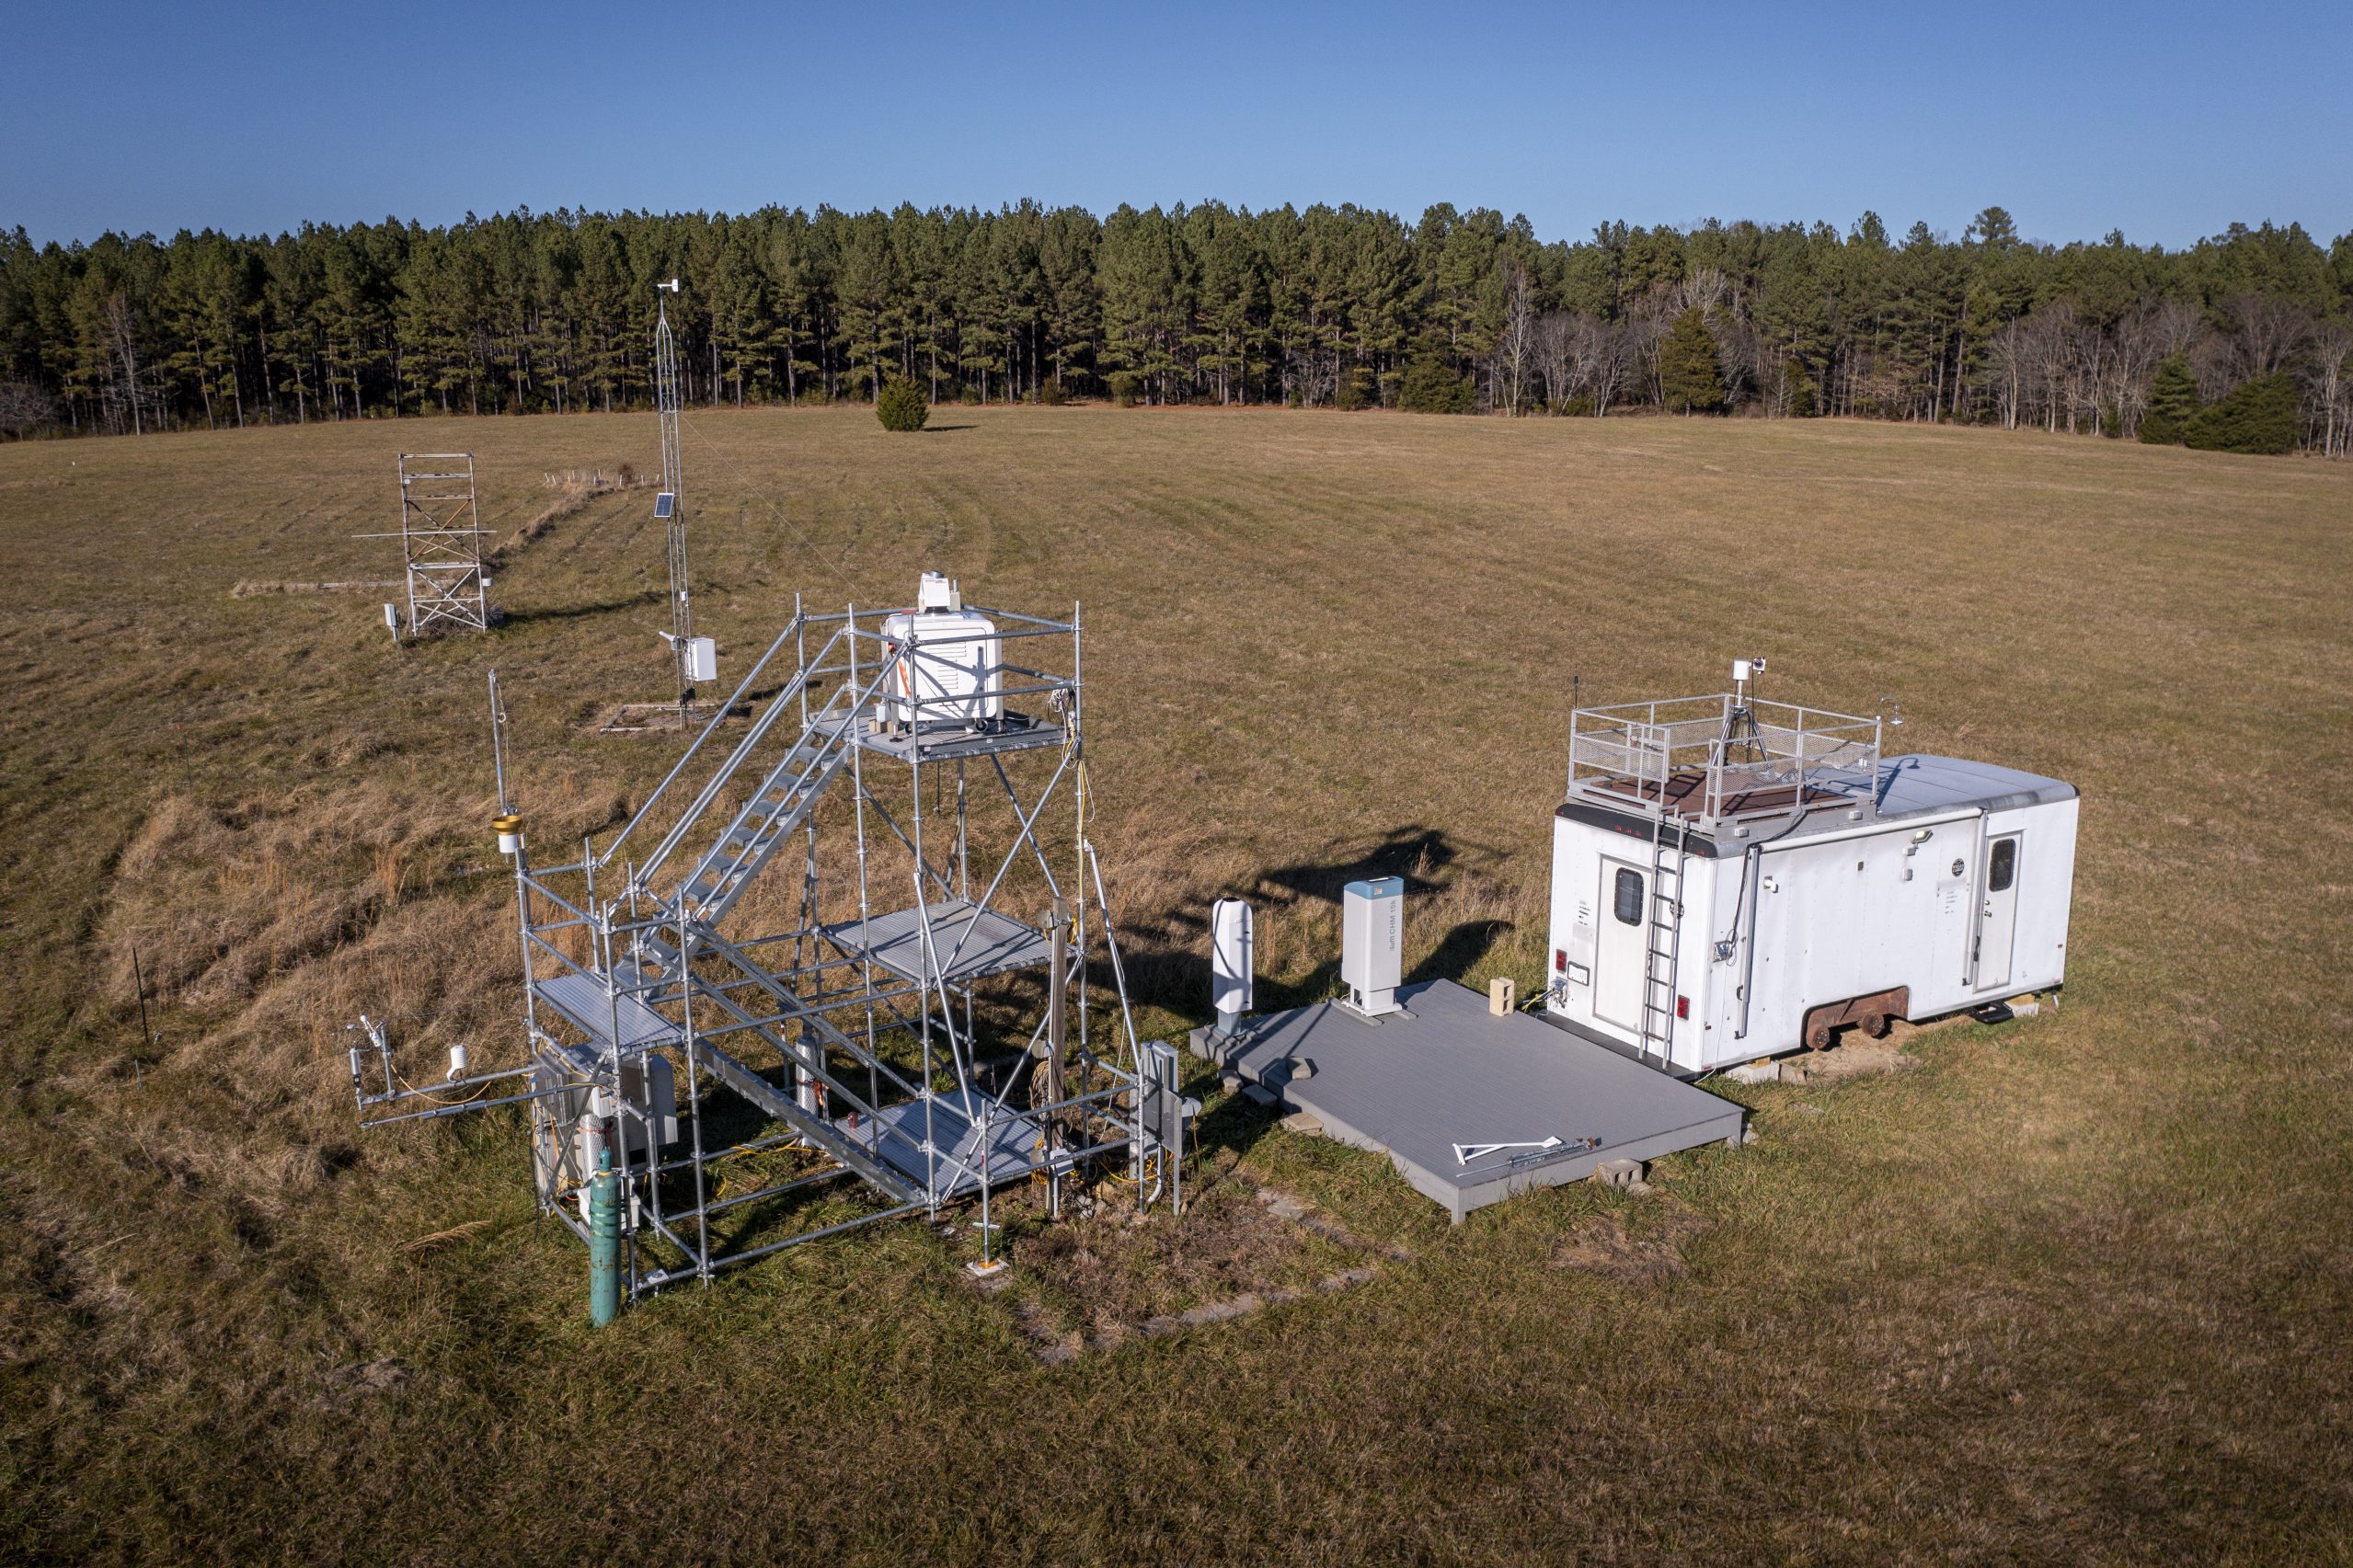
{"type": "Point", "coordinates": [1663, 936]}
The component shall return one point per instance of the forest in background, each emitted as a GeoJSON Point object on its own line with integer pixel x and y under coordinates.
{"type": "Point", "coordinates": [2243, 340]}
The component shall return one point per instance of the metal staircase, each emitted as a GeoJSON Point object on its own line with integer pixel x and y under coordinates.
{"type": "Point", "coordinates": [1663, 933]}
{"type": "Point", "coordinates": [779, 807]}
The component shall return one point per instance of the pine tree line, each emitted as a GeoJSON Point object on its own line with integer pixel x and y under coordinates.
{"type": "Point", "coordinates": [1342, 307]}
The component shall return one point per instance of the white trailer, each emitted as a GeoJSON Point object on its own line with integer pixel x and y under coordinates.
{"type": "Point", "coordinates": [1734, 879]}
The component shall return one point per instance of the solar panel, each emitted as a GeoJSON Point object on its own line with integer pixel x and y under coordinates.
{"type": "Point", "coordinates": [664, 504]}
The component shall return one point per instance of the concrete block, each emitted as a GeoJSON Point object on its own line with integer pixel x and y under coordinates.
{"type": "Point", "coordinates": [1625, 1174]}
{"type": "Point", "coordinates": [1755, 1072]}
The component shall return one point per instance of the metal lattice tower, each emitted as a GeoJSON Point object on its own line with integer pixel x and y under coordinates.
{"type": "Point", "coordinates": [440, 539]}
{"type": "Point", "coordinates": [670, 503]}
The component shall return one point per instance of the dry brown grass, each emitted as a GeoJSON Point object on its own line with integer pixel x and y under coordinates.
{"type": "Point", "coordinates": [574, 489]}
{"type": "Point", "coordinates": [2073, 1289]}
{"type": "Point", "coordinates": [253, 589]}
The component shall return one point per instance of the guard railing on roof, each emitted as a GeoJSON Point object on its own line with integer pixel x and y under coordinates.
{"type": "Point", "coordinates": [1716, 758]}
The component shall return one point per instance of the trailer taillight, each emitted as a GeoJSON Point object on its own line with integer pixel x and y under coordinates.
{"type": "Point", "coordinates": [1560, 960]}
{"type": "Point", "coordinates": [1682, 1007]}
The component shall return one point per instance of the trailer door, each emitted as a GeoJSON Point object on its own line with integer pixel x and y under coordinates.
{"type": "Point", "coordinates": [1624, 942]}
{"type": "Point", "coordinates": [1997, 912]}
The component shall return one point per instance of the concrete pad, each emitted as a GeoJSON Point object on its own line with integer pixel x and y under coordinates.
{"type": "Point", "coordinates": [1448, 1072]}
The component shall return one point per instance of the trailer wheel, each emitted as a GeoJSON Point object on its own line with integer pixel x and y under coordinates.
{"type": "Point", "coordinates": [1820, 1036]}
{"type": "Point", "coordinates": [1877, 1024]}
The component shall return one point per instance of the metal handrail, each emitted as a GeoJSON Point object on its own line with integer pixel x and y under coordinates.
{"type": "Point", "coordinates": [1647, 743]}
{"type": "Point", "coordinates": [833, 739]}
{"type": "Point", "coordinates": [708, 731]}
{"type": "Point", "coordinates": [728, 769]}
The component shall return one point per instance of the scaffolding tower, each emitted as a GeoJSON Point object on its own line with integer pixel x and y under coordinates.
{"type": "Point", "coordinates": [441, 540]}
{"type": "Point", "coordinates": [866, 938]}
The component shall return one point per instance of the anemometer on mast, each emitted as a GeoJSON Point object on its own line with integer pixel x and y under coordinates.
{"type": "Point", "coordinates": [697, 659]}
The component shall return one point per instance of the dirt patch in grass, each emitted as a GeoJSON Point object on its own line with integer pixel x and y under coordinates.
{"type": "Point", "coordinates": [1853, 1057]}
{"type": "Point", "coordinates": [1105, 1275]}
{"type": "Point", "coordinates": [1646, 1253]}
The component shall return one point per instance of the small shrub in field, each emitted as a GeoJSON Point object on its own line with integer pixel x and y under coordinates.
{"type": "Point", "coordinates": [1052, 395]}
{"type": "Point", "coordinates": [1126, 388]}
{"type": "Point", "coordinates": [902, 406]}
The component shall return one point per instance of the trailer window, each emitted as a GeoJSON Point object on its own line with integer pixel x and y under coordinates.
{"type": "Point", "coordinates": [2004, 869]}
{"type": "Point", "coordinates": [1628, 896]}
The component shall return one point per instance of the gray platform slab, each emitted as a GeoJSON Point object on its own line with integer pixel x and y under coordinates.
{"type": "Point", "coordinates": [955, 1131]}
{"type": "Point", "coordinates": [967, 942]}
{"type": "Point", "coordinates": [1446, 1072]}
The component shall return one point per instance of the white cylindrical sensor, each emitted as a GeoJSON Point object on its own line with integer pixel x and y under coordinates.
{"type": "Point", "coordinates": [457, 1061]}
{"type": "Point", "coordinates": [1232, 961]}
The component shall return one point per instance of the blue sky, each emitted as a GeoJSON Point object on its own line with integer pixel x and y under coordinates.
{"type": "Point", "coordinates": [2167, 121]}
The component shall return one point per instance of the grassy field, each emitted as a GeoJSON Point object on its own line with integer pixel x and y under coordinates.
{"type": "Point", "coordinates": [2079, 1288]}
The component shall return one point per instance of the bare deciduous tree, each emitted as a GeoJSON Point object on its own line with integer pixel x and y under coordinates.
{"type": "Point", "coordinates": [2331, 385]}
{"type": "Point", "coordinates": [24, 407]}
{"type": "Point", "coordinates": [2268, 332]}
{"type": "Point", "coordinates": [1515, 346]}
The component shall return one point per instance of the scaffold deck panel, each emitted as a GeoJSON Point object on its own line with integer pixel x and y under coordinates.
{"type": "Point", "coordinates": [968, 943]}
{"type": "Point", "coordinates": [1014, 1141]}
{"type": "Point", "coordinates": [1015, 732]}
{"type": "Point", "coordinates": [586, 1004]}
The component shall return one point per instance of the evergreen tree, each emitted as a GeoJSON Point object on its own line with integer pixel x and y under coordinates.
{"type": "Point", "coordinates": [2258, 416]}
{"type": "Point", "coordinates": [1324, 305]}
{"type": "Point", "coordinates": [2173, 402]}
{"type": "Point", "coordinates": [901, 405]}
{"type": "Point", "coordinates": [1689, 379]}
{"type": "Point", "coordinates": [1797, 391]}
{"type": "Point", "coordinates": [1431, 385]}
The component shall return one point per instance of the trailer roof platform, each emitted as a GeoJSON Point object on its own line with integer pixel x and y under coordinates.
{"type": "Point", "coordinates": [1470, 1107]}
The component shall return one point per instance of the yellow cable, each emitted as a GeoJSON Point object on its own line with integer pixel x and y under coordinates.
{"type": "Point", "coordinates": [433, 1098]}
